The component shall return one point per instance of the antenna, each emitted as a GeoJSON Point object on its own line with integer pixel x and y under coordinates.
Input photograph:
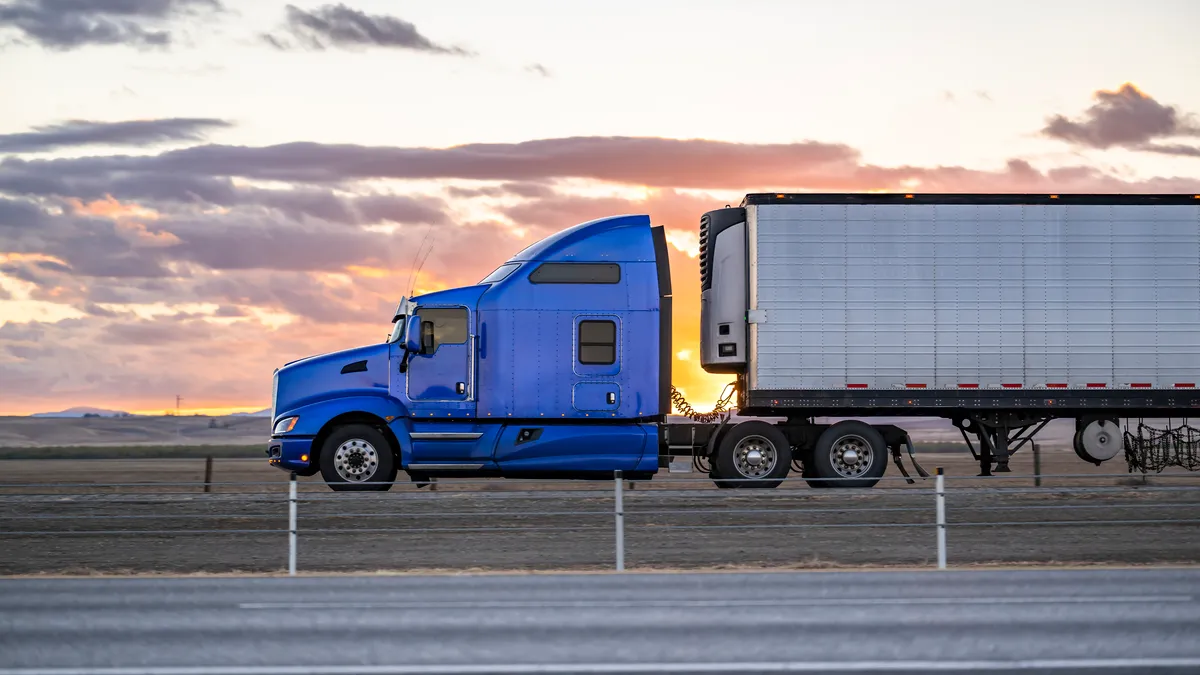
{"type": "Point", "coordinates": [411, 283]}
{"type": "Point", "coordinates": [417, 272]}
{"type": "Point", "coordinates": [178, 398]}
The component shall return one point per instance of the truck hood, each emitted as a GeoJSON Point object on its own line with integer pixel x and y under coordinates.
{"type": "Point", "coordinates": [317, 378]}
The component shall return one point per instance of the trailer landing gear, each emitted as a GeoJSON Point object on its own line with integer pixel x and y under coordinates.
{"type": "Point", "coordinates": [996, 437]}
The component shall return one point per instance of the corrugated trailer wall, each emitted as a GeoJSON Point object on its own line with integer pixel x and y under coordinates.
{"type": "Point", "coordinates": [950, 296]}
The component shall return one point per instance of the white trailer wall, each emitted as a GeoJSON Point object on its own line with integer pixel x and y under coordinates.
{"type": "Point", "coordinates": [943, 295]}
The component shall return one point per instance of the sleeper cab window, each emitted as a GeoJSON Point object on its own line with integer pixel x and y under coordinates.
{"type": "Point", "coordinates": [576, 273]}
{"type": "Point", "coordinates": [597, 342]}
{"type": "Point", "coordinates": [447, 324]}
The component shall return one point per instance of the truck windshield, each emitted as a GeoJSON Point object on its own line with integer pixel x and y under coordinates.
{"type": "Point", "coordinates": [500, 273]}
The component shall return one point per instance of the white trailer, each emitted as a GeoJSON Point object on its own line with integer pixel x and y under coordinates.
{"type": "Point", "coordinates": [1000, 312]}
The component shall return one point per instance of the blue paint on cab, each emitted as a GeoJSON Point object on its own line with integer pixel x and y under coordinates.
{"type": "Point", "coordinates": [553, 365]}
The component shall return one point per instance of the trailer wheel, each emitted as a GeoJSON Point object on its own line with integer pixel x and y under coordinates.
{"type": "Point", "coordinates": [357, 457]}
{"type": "Point", "coordinates": [753, 454]}
{"type": "Point", "coordinates": [851, 452]}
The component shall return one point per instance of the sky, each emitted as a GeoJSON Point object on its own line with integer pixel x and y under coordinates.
{"type": "Point", "coordinates": [194, 192]}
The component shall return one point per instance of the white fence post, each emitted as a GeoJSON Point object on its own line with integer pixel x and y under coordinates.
{"type": "Point", "coordinates": [292, 525]}
{"type": "Point", "coordinates": [620, 513]}
{"type": "Point", "coordinates": [941, 519]}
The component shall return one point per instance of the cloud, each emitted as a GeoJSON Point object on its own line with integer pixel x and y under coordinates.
{"type": "Point", "coordinates": [505, 189]}
{"type": "Point", "coordinates": [348, 28]}
{"type": "Point", "coordinates": [662, 162]}
{"type": "Point", "coordinates": [1126, 118]}
{"type": "Point", "coordinates": [646, 161]}
{"type": "Point", "coordinates": [70, 24]}
{"type": "Point", "coordinates": [16, 214]}
{"type": "Point", "coordinates": [136, 133]}
{"type": "Point", "coordinates": [1176, 149]}
{"type": "Point", "coordinates": [190, 252]}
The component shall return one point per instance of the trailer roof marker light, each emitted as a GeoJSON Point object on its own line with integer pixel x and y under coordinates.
{"type": "Point", "coordinates": [908, 196]}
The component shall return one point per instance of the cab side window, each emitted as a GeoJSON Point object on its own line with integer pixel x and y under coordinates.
{"type": "Point", "coordinates": [576, 273]}
{"type": "Point", "coordinates": [597, 342]}
{"type": "Point", "coordinates": [442, 326]}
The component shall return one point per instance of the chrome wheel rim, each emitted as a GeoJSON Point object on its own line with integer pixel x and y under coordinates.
{"type": "Point", "coordinates": [851, 456]}
{"type": "Point", "coordinates": [356, 460]}
{"type": "Point", "coordinates": [754, 457]}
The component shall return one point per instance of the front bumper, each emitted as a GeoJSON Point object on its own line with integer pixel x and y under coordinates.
{"type": "Point", "coordinates": [285, 452]}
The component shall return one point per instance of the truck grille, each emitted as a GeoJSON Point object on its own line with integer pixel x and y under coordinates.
{"type": "Point", "coordinates": [705, 272]}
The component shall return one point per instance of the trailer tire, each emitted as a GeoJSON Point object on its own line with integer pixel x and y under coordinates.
{"type": "Point", "coordinates": [355, 454]}
{"type": "Point", "coordinates": [752, 455]}
{"type": "Point", "coordinates": [841, 452]}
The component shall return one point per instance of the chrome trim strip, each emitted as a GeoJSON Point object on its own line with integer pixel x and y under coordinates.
{"type": "Point", "coordinates": [445, 435]}
{"type": "Point", "coordinates": [446, 467]}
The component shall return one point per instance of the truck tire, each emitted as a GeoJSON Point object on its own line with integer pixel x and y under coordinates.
{"type": "Point", "coordinates": [356, 454]}
{"type": "Point", "coordinates": [753, 454]}
{"type": "Point", "coordinates": [851, 452]}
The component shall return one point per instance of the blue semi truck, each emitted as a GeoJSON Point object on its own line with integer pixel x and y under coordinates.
{"type": "Point", "coordinates": [997, 312]}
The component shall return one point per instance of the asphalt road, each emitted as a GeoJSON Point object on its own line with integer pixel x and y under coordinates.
{"type": "Point", "coordinates": [1066, 621]}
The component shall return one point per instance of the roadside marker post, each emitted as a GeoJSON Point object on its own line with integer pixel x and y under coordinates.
{"type": "Point", "coordinates": [1037, 464]}
{"type": "Point", "coordinates": [620, 515]}
{"type": "Point", "coordinates": [292, 525]}
{"type": "Point", "coordinates": [941, 518]}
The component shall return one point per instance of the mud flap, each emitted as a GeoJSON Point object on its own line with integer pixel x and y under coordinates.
{"type": "Point", "coordinates": [900, 465]}
{"type": "Point", "coordinates": [913, 456]}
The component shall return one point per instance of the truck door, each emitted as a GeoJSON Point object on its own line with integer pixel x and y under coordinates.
{"type": "Point", "coordinates": [440, 382]}
{"type": "Point", "coordinates": [597, 364]}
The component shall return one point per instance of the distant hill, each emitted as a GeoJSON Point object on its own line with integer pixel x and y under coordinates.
{"type": "Point", "coordinates": [83, 411]}
{"type": "Point", "coordinates": [133, 431]}
{"type": "Point", "coordinates": [265, 412]}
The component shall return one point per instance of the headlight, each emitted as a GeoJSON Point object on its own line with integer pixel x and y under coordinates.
{"type": "Point", "coordinates": [285, 425]}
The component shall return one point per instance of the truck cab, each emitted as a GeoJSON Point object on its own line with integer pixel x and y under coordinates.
{"type": "Point", "coordinates": [556, 364]}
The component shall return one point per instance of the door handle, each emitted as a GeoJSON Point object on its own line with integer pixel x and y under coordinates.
{"type": "Point", "coordinates": [460, 387]}
{"type": "Point", "coordinates": [611, 397]}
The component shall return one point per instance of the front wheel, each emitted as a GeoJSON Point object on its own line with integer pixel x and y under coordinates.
{"type": "Point", "coordinates": [753, 454]}
{"type": "Point", "coordinates": [357, 457]}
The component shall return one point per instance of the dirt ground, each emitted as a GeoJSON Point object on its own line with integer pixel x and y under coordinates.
{"type": "Point", "coordinates": [159, 519]}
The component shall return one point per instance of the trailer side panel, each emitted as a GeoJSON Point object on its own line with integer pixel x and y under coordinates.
{"type": "Point", "coordinates": [846, 297]}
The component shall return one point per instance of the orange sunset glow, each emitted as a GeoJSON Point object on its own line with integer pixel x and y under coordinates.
{"type": "Point", "coordinates": [203, 206]}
